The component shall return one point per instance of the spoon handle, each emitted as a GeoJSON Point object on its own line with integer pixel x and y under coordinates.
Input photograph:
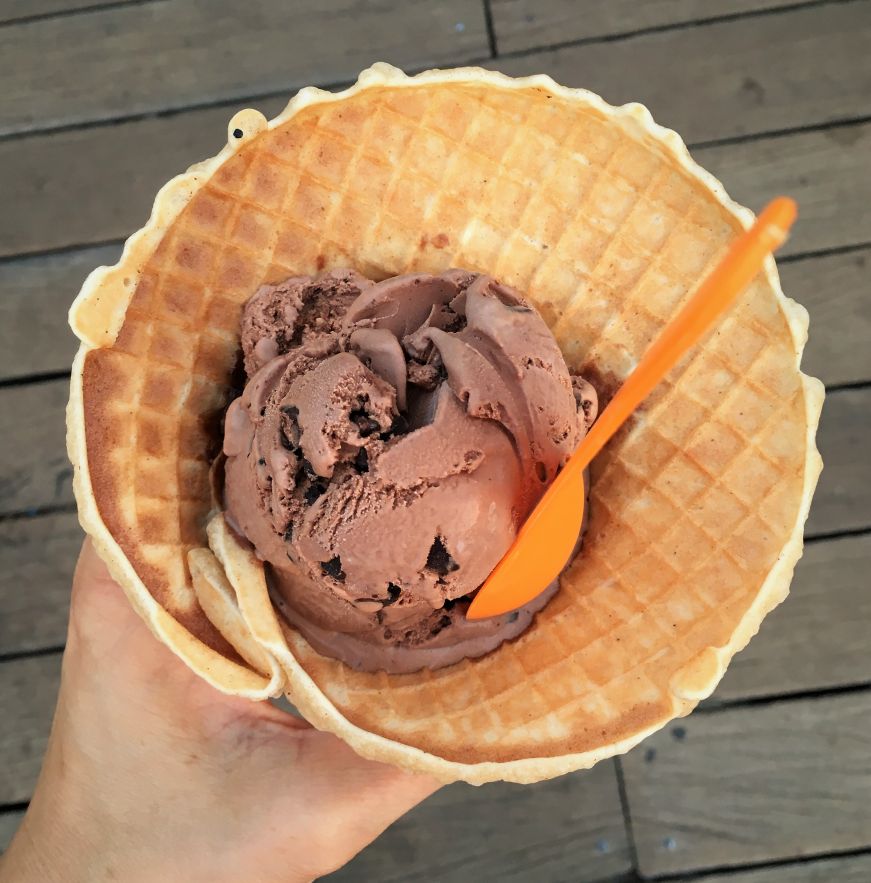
{"type": "Point", "coordinates": [744, 259]}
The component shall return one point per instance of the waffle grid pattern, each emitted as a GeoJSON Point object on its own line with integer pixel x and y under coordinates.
{"type": "Point", "coordinates": [693, 607]}
{"type": "Point", "coordinates": [690, 506]}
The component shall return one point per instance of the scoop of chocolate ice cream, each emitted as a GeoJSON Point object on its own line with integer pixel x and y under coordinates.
{"type": "Point", "coordinates": [389, 442]}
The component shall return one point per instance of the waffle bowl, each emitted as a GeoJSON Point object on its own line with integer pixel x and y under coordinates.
{"type": "Point", "coordinates": [604, 221]}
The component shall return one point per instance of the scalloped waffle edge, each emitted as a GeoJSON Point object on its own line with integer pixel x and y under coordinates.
{"type": "Point", "coordinates": [478, 729]}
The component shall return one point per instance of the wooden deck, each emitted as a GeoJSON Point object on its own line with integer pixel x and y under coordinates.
{"type": "Point", "coordinates": [103, 101]}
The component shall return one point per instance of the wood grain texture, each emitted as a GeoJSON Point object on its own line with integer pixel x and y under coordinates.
{"type": "Point", "coordinates": [827, 171]}
{"type": "Point", "coordinates": [752, 784]}
{"type": "Point", "coordinates": [570, 828]}
{"type": "Point", "coordinates": [35, 295]}
{"type": "Point", "coordinates": [13, 10]}
{"type": "Point", "coordinates": [28, 692]}
{"type": "Point", "coordinates": [845, 869]}
{"type": "Point", "coordinates": [836, 290]}
{"type": "Point", "coordinates": [156, 56]}
{"type": "Point", "coordinates": [38, 555]}
{"type": "Point", "coordinates": [9, 822]}
{"type": "Point", "coordinates": [818, 638]}
{"type": "Point", "coordinates": [52, 180]}
{"type": "Point", "coordinates": [843, 497]}
{"type": "Point", "coordinates": [527, 24]}
{"type": "Point", "coordinates": [34, 470]}
{"type": "Point", "coordinates": [728, 78]}
{"type": "Point", "coordinates": [815, 640]}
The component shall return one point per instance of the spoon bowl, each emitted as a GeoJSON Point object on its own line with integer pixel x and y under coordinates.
{"type": "Point", "coordinates": [545, 541]}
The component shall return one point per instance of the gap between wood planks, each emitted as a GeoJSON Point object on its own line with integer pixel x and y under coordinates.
{"type": "Point", "coordinates": [715, 706]}
{"type": "Point", "coordinates": [66, 13]}
{"type": "Point", "coordinates": [627, 815]}
{"type": "Point", "coordinates": [789, 258]}
{"type": "Point", "coordinates": [31, 654]}
{"type": "Point", "coordinates": [491, 31]}
{"type": "Point", "coordinates": [727, 871]}
{"type": "Point", "coordinates": [782, 133]}
{"type": "Point", "coordinates": [38, 512]}
{"type": "Point", "coordinates": [43, 377]}
{"type": "Point", "coordinates": [72, 249]}
{"type": "Point", "coordinates": [675, 26]}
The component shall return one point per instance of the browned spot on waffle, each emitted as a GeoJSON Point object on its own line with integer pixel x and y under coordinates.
{"type": "Point", "coordinates": [440, 240]}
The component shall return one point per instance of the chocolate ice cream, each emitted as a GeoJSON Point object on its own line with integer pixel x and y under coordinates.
{"type": "Point", "coordinates": [390, 440]}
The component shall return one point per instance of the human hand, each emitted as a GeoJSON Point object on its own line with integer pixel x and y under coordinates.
{"type": "Point", "coordinates": [151, 774]}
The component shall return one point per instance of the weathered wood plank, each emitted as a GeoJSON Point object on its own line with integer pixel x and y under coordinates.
{"type": "Point", "coordinates": [28, 691]}
{"type": "Point", "coordinates": [34, 470]}
{"type": "Point", "coordinates": [570, 828]}
{"type": "Point", "coordinates": [39, 555]}
{"type": "Point", "coordinates": [36, 292]}
{"type": "Point", "coordinates": [52, 179]}
{"type": "Point", "coordinates": [828, 595]}
{"type": "Point", "coordinates": [828, 598]}
{"type": "Point", "coordinates": [527, 24]}
{"type": "Point", "coordinates": [845, 869]}
{"type": "Point", "coordinates": [835, 291]}
{"type": "Point", "coordinates": [843, 497]}
{"type": "Point", "coordinates": [35, 295]}
{"type": "Point", "coordinates": [827, 171]}
{"type": "Point", "coordinates": [752, 784]}
{"type": "Point", "coordinates": [157, 56]}
{"type": "Point", "coordinates": [728, 78]}
{"type": "Point", "coordinates": [818, 638]}
{"type": "Point", "coordinates": [13, 10]}
{"type": "Point", "coordinates": [9, 822]}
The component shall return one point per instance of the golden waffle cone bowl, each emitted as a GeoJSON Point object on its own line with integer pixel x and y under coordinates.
{"type": "Point", "coordinates": [602, 218]}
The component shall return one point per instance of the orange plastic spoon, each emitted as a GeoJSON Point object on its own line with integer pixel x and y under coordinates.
{"type": "Point", "coordinates": [548, 536]}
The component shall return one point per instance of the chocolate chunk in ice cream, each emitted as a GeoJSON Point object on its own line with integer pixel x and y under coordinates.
{"type": "Point", "coordinates": [390, 440]}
